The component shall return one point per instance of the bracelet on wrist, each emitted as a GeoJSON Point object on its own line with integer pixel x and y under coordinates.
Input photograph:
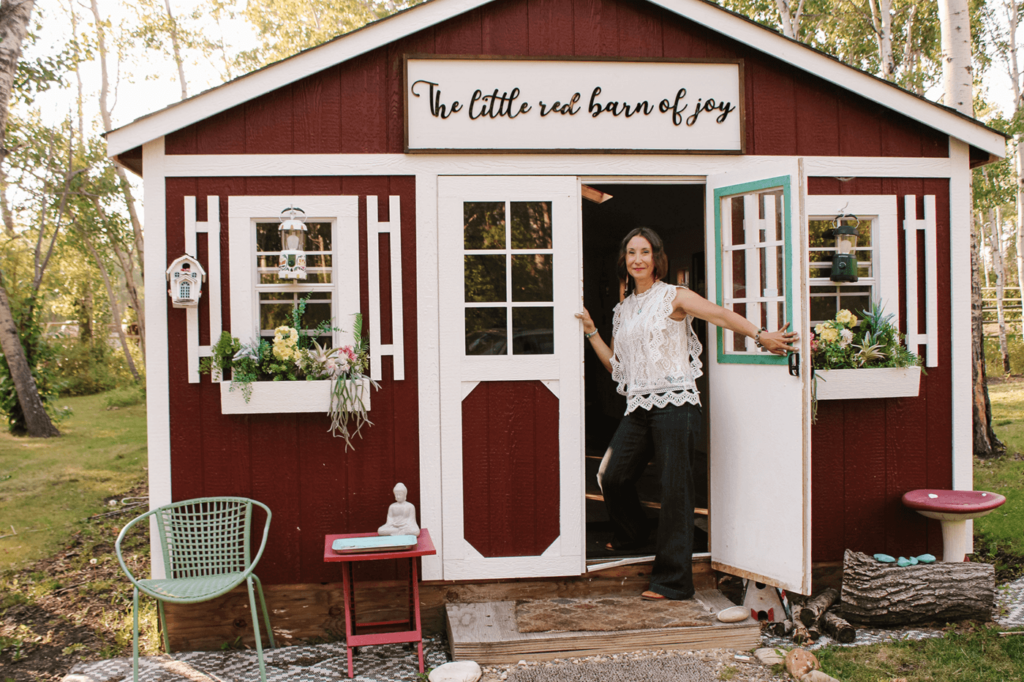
{"type": "Point", "coordinates": [587, 336]}
{"type": "Point", "coordinates": [757, 338]}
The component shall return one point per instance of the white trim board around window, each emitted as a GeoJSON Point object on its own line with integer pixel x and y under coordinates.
{"type": "Point", "coordinates": [243, 214]}
{"type": "Point", "coordinates": [881, 210]}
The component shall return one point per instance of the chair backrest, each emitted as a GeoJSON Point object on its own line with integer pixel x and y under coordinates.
{"type": "Point", "coordinates": [206, 536]}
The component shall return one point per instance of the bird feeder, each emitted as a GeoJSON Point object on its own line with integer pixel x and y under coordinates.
{"type": "Point", "coordinates": [185, 276]}
{"type": "Point", "coordinates": [292, 261]}
{"type": "Point", "coordinates": [844, 262]}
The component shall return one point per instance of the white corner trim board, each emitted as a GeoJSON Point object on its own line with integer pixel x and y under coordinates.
{"type": "Point", "coordinates": [158, 397]}
{"type": "Point", "coordinates": [392, 228]}
{"type": "Point", "coordinates": [911, 225]}
{"type": "Point", "coordinates": [211, 226]}
{"type": "Point", "coordinates": [398, 26]}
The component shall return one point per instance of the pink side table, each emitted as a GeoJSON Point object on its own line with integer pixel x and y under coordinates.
{"type": "Point", "coordinates": [423, 547]}
{"type": "Point", "coordinates": [952, 508]}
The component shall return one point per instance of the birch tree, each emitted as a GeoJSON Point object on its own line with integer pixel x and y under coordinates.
{"type": "Point", "coordinates": [996, 232]}
{"type": "Point", "coordinates": [14, 21]}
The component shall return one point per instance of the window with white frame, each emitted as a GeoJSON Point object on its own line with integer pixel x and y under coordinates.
{"type": "Point", "coordinates": [259, 301]}
{"type": "Point", "coordinates": [876, 253]}
{"type": "Point", "coordinates": [277, 298]}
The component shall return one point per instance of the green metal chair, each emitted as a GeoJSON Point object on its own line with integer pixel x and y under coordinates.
{"type": "Point", "coordinates": [205, 547]}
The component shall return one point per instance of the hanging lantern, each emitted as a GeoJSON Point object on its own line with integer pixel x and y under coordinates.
{"type": "Point", "coordinates": [844, 262]}
{"type": "Point", "coordinates": [292, 261]}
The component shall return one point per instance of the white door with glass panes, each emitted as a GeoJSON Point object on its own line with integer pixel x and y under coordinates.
{"type": "Point", "coordinates": [758, 410]}
{"type": "Point", "coordinates": [511, 380]}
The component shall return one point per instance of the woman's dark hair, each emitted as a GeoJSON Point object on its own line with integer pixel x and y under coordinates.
{"type": "Point", "coordinates": [657, 253]}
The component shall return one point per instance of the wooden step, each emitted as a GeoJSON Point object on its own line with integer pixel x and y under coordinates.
{"type": "Point", "coordinates": [487, 633]}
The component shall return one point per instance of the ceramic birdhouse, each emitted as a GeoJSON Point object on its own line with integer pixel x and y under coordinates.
{"type": "Point", "coordinates": [292, 261]}
{"type": "Point", "coordinates": [185, 277]}
{"type": "Point", "coordinates": [764, 602]}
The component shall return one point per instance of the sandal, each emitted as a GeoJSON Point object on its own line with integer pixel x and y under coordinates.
{"type": "Point", "coordinates": [652, 596]}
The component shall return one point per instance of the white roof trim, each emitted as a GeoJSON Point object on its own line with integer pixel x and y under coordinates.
{"type": "Point", "coordinates": [433, 12]}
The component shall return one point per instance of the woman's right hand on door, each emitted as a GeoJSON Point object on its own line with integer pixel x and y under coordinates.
{"type": "Point", "coordinates": [588, 323]}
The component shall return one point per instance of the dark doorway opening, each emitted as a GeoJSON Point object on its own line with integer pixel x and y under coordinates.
{"type": "Point", "coordinates": [676, 213]}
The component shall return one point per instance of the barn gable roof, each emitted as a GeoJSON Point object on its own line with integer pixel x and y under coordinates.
{"type": "Point", "coordinates": [433, 12]}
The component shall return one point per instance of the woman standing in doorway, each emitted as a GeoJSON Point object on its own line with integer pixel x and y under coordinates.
{"type": "Point", "coordinates": [654, 357]}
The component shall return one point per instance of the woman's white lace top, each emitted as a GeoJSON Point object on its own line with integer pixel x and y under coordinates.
{"type": "Point", "coordinates": [657, 359]}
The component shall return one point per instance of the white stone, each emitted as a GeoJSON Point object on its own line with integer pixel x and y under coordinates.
{"type": "Point", "coordinates": [733, 614]}
{"type": "Point", "coordinates": [769, 656]}
{"type": "Point", "coordinates": [817, 676]}
{"type": "Point", "coordinates": [457, 671]}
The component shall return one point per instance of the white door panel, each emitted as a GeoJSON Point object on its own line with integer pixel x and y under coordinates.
{"type": "Point", "coordinates": [759, 413]}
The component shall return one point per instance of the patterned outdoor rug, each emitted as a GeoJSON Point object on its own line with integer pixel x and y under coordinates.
{"type": "Point", "coordinates": [663, 669]}
{"type": "Point", "coordinates": [609, 613]}
{"type": "Point", "coordinates": [319, 663]}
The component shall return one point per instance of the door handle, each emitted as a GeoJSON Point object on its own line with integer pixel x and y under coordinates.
{"type": "Point", "coordinates": [794, 364]}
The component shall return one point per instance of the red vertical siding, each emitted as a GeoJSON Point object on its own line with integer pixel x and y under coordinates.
{"type": "Point", "coordinates": [510, 468]}
{"type": "Point", "coordinates": [290, 462]}
{"type": "Point", "coordinates": [880, 449]}
{"type": "Point", "coordinates": [357, 107]}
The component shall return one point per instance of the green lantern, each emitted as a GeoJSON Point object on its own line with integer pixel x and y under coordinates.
{"type": "Point", "coordinates": [844, 262]}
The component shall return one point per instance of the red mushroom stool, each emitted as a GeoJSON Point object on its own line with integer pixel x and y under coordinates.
{"type": "Point", "coordinates": [952, 508]}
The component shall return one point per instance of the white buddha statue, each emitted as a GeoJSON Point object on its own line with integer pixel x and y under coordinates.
{"type": "Point", "coordinates": [401, 516]}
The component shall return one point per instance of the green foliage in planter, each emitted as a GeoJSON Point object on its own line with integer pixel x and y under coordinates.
{"type": "Point", "coordinates": [849, 343]}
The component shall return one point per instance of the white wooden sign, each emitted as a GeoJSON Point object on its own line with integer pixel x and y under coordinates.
{"type": "Point", "coordinates": [535, 105]}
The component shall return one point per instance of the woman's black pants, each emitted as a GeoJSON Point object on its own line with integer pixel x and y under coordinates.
{"type": "Point", "coordinates": [674, 431]}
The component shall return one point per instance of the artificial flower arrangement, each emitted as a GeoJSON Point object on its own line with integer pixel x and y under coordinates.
{"type": "Point", "coordinates": [295, 355]}
{"type": "Point", "coordinates": [849, 343]}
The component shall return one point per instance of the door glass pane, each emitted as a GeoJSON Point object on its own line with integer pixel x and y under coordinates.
{"type": "Point", "coordinates": [484, 223]}
{"type": "Point", "coordinates": [532, 278]}
{"type": "Point", "coordinates": [485, 331]}
{"type": "Point", "coordinates": [736, 228]}
{"type": "Point", "coordinates": [533, 331]}
{"type": "Point", "coordinates": [485, 279]}
{"type": "Point", "coordinates": [531, 225]}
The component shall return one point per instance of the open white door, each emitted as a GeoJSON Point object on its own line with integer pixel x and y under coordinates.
{"type": "Point", "coordinates": [760, 519]}
{"type": "Point", "coordinates": [510, 281]}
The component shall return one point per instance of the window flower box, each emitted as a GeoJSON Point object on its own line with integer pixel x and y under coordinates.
{"type": "Point", "coordinates": [280, 397]}
{"type": "Point", "coordinates": [868, 382]}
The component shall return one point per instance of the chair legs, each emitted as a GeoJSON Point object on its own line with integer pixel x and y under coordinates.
{"type": "Point", "coordinates": [266, 614]}
{"type": "Point", "coordinates": [256, 627]}
{"type": "Point", "coordinates": [163, 627]}
{"type": "Point", "coordinates": [135, 636]}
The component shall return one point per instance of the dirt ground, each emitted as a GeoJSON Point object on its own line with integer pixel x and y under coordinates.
{"type": "Point", "coordinates": [74, 606]}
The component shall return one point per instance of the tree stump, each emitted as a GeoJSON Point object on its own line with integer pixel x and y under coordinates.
{"type": "Point", "coordinates": [838, 629]}
{"type": "Point", "coordinates": [885, 594]}
{"type": "Point", "coordinates": [815, 608]}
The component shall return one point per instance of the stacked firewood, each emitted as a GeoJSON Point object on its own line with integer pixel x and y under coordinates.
{"type": "Point", "coordinates": [814, 618]}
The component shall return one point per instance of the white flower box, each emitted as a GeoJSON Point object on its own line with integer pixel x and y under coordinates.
{"type": "Point", "coordinates": [874, 382]}
{"type": "Point", "coordinates": [279, 397]}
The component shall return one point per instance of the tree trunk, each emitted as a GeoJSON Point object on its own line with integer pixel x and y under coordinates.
{"type": "Point", "coordinates": [1020, 229]}
{"type": "Point", "coordinates": [115, 306]}
{"type": "Point", "coordinates": [36, 419]}
{"type": "Point", "coordinates": [999, 266]}
{"type": "Point", "coordinates": [14, 19]}
{"type": "Point", "coordinates": [985, 442]}
{"type": "Point", "coordinates": [85, 313]}
{"type": "Point", "coordinates": [177, 50]}
{"type": "Point", "coordinates": [884, 594]}
{"type": "Point", "coordinates": [957, 72]}
{"type": "Point", "coordinates": [126, 189]}
{"type": "Point", "coordinates": [881, 21]}
{"type": "Point", "coordinates": [128, 270]}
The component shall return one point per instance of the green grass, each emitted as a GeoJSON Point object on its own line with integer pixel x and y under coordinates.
{"type": "Point", "coordinates": [48, 485]}
{"type": "Point", "coordinates": [1003, 529]}
{"type": "Point", "coordinates": [976, 654]}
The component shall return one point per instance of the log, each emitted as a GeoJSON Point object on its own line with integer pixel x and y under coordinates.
{"type": "Point", "coordinates": [815, 608]}
{"type": "Point", "coordinates": [838, 629]}
{"type": "Point", "coordinates": [800, 633]}
{"type": "Point", "coordinates": [885, 594]}
{"type": "Point", "coordinates": [815, 632]}
{"type": "Point", "coordinates": [781, 628]}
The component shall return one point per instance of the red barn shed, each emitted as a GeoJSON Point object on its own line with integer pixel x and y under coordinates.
{"type": "Point", "coordinates": [413, 143]}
